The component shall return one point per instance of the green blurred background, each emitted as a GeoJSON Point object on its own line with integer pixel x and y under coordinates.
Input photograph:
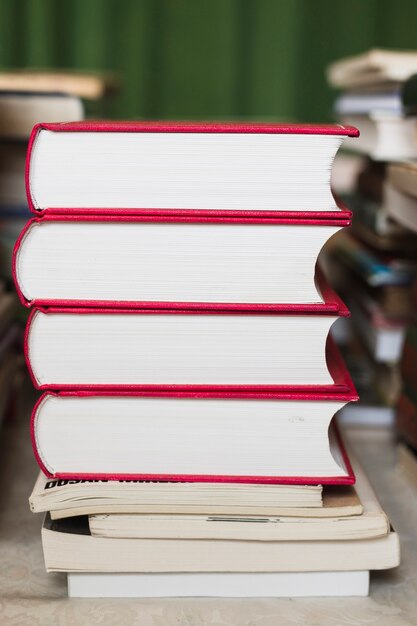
{"type": "Point", "coordinates": [204, 58]}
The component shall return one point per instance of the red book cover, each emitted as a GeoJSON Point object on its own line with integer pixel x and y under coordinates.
{"type": "Point", "coordinates": [332, 302]}
{"type": "Point", "coordinates": [349, 479]}
{"type": "Point", "coordinates": [333, 306]}
{"type": "Point", "coordinates": [190, 127]}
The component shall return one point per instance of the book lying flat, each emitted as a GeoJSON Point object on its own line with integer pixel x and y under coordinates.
{"type": "Point", "coordinates": [69, 498]}
{"type": "Point", "coordinates": [19, 112]}
{"type": "Point", "coordinates": [372, 523]}
{"type": "Point", "coordinates": [199, 437]}
{"type": "Point", "coordinates": [173, 262]}
{"type": "Point", "coordinates": [90, 86]}
{"type": "Point", "coordinates": [392, 100]}
{"type": "Point", "coordinates": [383, 336]}
{"type": "Point", "coordinates": [69, 547]}
{"type": "Point", "coordinates": [376, 66]}
{"type": "Point", "coordinates": [219, 584]}
{"type": "Point", "coordinates": [180, 167]}
{"type": "Point", "coordinates": [163, 349]}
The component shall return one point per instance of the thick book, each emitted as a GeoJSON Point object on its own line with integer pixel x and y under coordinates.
{"type": "Point", "coordinates": [248, 438]}
{"type": "Point", "coordinates": [69, 547]}
{"type": "Point", "coordinates": [171, 261]}
{"type": "Point", "coordinates": [372, 523]}
{"type": "Point", "coordinates": [198, 168]}
{"type": "Point", "coordinates": [197, 349]}
{"type": "Point", "coordinates": [70, 498]}
{"type": "Point", "coordinates": [219, 585]}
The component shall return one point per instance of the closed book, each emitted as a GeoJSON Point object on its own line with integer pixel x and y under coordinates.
{"type": "Point", "coordinates": [70, 348]}
{"type": "Point", "coordinates": [398, 100]}
{"type": "Point", "coordinates": [174, 262]}
{"type": "Point", "coordinates": [69, 547]}
{"type": "Point", "coordinates": [231, 438]}
{"type": "Point", "coordinates": [70, 498]}
{"type": "Point", "coordinates": [200, 168]}
{"type": "Point", "coordinates": [371, 523]}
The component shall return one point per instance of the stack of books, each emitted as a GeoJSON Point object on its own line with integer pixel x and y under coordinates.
{"type": "Point", "coordinates": [375, 265]}
{"type": "Point", "coordinates": [380, 97]}
{"type": "Point", "coordinates": [180, 332]}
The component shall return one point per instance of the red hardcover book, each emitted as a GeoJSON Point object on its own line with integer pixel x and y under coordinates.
{"type": "Point", "coordinates": [179, 168]}
{"type": "Point", "coordinates": [264, 438]}
{"type": "Point", "coordinates": [193, 349]}
{"type": "Point", "coordinates": [240, 264]}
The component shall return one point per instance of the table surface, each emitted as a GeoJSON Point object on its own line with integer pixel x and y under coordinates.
{"type": "Point", "coordinates": [28, 595]}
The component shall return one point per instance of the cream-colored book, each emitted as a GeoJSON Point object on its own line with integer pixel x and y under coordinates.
{"type": "Point", "coordinates": [82, 84]}
{"type": "Point", "coordinates": [69, 498]}
{"type": "Point", "coordinates": [373, 67]}
{"type": "Point", "coordinates": [68, 546]}
{"type": "Point", "coordinates": [407, 463]}
{"type": "Point", "coordinates": [372, 523]}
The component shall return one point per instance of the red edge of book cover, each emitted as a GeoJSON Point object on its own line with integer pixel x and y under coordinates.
{"type": "Point", "coordinates": [332, 301]}
{"type": "Point", "coordinates": [342, 381]}
{"type": "Point", "coordinates": [189, 127]}
{"type": "Point", "coordinates": [343, 387]}
{"type": "Point", "coordinates": [349, 479]}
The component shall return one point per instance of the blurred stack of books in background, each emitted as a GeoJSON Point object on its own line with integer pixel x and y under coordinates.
{"type": "Point", "coordinates": [375, 264]}
{"type": "Point", "coordinates": [26, 97]}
